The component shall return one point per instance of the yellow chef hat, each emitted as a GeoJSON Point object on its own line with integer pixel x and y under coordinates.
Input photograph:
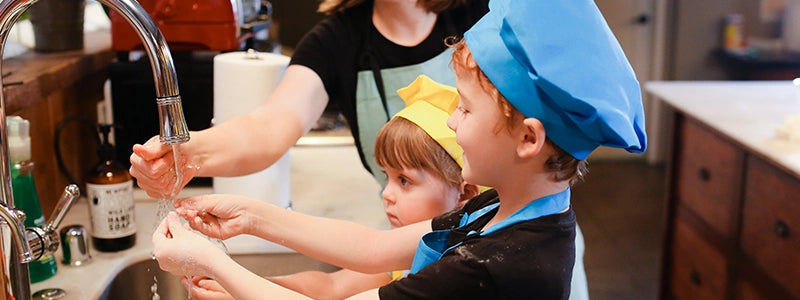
{"type": "Point", "coordinates": [428, 105]}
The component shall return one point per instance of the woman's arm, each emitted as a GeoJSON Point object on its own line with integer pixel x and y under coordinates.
{"type": "Point", "coordinates": [241, 145]}
{"type": "Point", "coordinates": [254, 141]}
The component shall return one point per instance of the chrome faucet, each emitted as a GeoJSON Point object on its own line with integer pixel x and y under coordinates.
{"type": "Point", "coordinates": [29, 244]}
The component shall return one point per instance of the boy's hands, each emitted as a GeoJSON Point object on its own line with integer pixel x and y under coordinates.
{"type": "Point", "coordinates": [182, 252]}
{"type": "Point", "coordinates": [218, 216]}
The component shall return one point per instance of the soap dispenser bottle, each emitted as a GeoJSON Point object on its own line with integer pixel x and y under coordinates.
{"type": "Point", "coordinates": [109, 189]}
{"type": "Point", "coordinates": [24, 189]}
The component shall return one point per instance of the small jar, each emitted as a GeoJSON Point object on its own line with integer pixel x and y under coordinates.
{"type": "Point", "coordinates": [733, 33]}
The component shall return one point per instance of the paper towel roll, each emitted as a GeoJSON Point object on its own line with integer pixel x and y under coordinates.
{"type": "Point", "coordinates": [242, 82]}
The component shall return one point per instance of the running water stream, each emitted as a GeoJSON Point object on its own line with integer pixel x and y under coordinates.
{"type": "Point", "coordinates": [165, 205]}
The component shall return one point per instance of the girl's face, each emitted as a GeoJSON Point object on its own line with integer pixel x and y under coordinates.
{"type": "Point", "coordinates": [480, 131]}
{"type": "Point", "coordinates": [413, 195]}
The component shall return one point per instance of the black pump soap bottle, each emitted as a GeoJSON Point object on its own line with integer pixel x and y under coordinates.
{"type": "Point", "coordinates": [109, 189]}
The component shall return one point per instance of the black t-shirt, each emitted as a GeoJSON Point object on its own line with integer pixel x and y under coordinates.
{"type": "Point", "coordinates": [335, 49]}
{"type": "Point", "coordinates": [528, 260]}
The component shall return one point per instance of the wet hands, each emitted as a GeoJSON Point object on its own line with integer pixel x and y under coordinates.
{"type": "Point", "coordinates": [153, 165]}
{"type": "Point", "coordinates": [182, 252]}
{"type": "Point", "coordinates": [217, 216]}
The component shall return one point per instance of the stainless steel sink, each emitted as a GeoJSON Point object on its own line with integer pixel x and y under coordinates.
{"type": "Point", "coordinates": [137, 280]}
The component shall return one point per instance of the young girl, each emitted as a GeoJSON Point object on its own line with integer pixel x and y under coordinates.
{"type": "Point", "coordinates": [542, 84]}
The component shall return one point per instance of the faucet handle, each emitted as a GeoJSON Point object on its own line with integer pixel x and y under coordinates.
{"type": "Point", "coordinates": [44, 241]}
{"type": "Point", "coordinates": [71, 192]}
{"type": "Point", "coordinates": [14, 218]}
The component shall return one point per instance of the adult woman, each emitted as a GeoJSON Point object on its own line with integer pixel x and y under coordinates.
{"type": "Point", "coordinates": [356, 58]}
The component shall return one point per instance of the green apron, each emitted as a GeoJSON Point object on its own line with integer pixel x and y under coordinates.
{"type": "Point", "coordinates": [370, 111]}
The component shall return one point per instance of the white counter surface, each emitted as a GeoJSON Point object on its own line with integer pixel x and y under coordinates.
{"type": "Point", "coordinates": [325, 181]}
{"type": "Point", "coordinates": [748, 112]}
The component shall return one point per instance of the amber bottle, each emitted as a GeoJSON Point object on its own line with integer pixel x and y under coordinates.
{"type": "Point", "coordinates": [109, 189]}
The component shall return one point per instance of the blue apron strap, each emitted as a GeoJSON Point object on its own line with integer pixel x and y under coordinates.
{"type": "Point", "coordinates": [468, 218]}
{"type": "Point", "coordinates": [548, 205]}
{"type": "Point", "coordinates": [430, 249]}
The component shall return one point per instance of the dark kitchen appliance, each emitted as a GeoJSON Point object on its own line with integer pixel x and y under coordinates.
{"type": "Point", "coordinates": [217, 25]}
{"type": "Point", "coordinates": [195, 31]}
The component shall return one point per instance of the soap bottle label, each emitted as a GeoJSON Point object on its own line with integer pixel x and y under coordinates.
{"type": "Point", "coordinates": [112, 209]}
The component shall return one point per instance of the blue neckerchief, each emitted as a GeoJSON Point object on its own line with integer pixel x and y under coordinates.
{"type": "Point", "coordinates": [432, 245]}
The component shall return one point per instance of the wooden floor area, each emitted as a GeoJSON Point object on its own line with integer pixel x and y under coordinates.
{"type": "Point", "coordinates": [621, 209]}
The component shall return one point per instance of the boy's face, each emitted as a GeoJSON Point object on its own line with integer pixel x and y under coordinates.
{"type": "Point", "coordinates": [413, 195]}
{"type": "Point", "coordinates": [478, 124]}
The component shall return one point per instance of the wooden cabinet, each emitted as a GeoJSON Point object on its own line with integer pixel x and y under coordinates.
{"type": "Point", "coordinates": [771, 223]}
{"type": "Point", "coordinates": [733, 221]}
{"type": "Point", "coordinates": [709, 171]}
{"type": "Point", "coordinates": [46, 88]}
{"type": "Point", "coordinates": [698, 269]}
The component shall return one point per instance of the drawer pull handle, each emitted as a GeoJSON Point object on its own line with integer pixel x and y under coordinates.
{"type": "Point", "coordinates": [694, 277]}
{"type": "Point", "coordinates": [704, 174]}
{"type": "Point", "coordinates": [781, 229]}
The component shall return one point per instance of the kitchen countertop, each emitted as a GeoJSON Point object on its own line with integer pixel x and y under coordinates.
{"type": "Point", "coordinates": [326, 181]}
{"type": "Point", "coordinates": [748, 112]}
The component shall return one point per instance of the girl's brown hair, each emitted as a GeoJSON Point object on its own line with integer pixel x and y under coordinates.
{"type": "Point", "coordinates": [402, 144]}
{"type": "Point", "coordinates": [435, 6]}
{"type": "Point", "coordinates": [563, 165]}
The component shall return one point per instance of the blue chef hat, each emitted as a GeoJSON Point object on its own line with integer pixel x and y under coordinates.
{"type": "Point", "coordinates": [558, 61]}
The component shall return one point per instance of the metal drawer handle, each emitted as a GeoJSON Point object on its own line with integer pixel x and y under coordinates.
{"type": "Point", "coordinates": [781, 229]}
{"type": "Point", "coordinates": [694, 277]}
{"type": "Point", "coordinates": [704, 174]}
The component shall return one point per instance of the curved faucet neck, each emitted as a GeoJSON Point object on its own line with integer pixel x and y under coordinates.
{"type": "Point", "coordinates": [172, 122]}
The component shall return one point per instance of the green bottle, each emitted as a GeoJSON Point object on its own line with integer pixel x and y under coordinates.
{"type": "Point", "coordinates": [24, 189]}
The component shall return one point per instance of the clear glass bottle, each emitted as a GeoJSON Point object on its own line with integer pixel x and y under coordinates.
{"type": "Point", "coordinates": [109, 189]}
{"type": "Point", "coordinates": [24, 190]}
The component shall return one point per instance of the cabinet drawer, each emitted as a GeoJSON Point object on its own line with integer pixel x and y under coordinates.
{"type": "Point", "coordinates": [771, 222]}
{"type": "Point", "coordinates": [698, 269]}
{"type": "Point", "coordinates": [709, 177]}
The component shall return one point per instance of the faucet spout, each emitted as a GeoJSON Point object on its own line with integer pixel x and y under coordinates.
{"type": "Point", "coordinates": [173, 129]}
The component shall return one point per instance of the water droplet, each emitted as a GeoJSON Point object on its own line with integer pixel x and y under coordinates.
{"type": "Point", "coordinates": [154, 290]}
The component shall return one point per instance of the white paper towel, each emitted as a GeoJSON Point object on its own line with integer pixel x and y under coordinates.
{"type": "Point", "coordinates": [241, 83]}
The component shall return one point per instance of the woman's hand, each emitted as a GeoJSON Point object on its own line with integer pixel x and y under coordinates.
{"type": "Point", "coordinates": [219, 216]}
{"type": "Point", "coordinates": [204, 288]}
{"type": "Point", "coordinates": [184, 253]}
{"type": "Point", "coordinates": [153, 165]}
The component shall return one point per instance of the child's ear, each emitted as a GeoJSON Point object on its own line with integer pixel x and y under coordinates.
{"type": "Point", "coordinates": [532, 137]}
{"type": "Point", "coordinates": [468, 191]}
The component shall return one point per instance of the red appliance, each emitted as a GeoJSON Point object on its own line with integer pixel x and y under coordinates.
{"type": "Point", "coordinates": [188, 25]}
